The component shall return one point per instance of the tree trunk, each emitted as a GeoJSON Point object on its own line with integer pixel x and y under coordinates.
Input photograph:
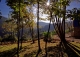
{"type": "Point", "coordinates": [31, 31]}
{"type": "Point", "coordinates": [18, 32]}
{"type": "Point", "coordinates": [38, 26]}
{"type": "Point", "coordinates": [63, 23]}
{"type": "Point", "coordinates": [21, 35]}
{"type": "Point", "coordinates": [48, 33]}
{"type": "Point", "coordinates": [32, 34]}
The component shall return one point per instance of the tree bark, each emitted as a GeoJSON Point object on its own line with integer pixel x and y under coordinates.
{"type": "Point", "coordinates": [18, 32]}
{"type": "Point", "coordinates": [32, 34]}
{"type": "Point", "coordinates": [21, 35]}
{"type": "Point", "coordinates": [63, 23]}
{"type": "Point", "coordinates": [38, 26]}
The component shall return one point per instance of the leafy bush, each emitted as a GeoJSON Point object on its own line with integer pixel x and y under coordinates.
{"type": "Point", "coordinates": [54, 32]}
{"type": "Point", "coordinates": [46, 35]}
{"type": "Point", "coordinates": [14, 38]}
{"type": "Point", "coordinates": [9, 38]}
{"type": "Point", "coordinates": [0, 38]}
{"type": "Point", "coordinates": [24, 38]}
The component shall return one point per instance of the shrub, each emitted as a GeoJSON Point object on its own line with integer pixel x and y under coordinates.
{"type": "Point", "coordinates": [54, 32]}
{"type": "Point", "coordinates": [0, 38]}
{"type": "Point", "coordinates": [14, 38]}
{"type": "Point", "coordinates": [45, 36]}
{"type": "Point", "coordinates": [24, 38]}
{"type": "Point", "coordinates": [9, 38]}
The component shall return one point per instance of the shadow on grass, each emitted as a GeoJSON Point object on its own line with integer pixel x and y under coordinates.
{"type": "Point", "coordinates": [12, 52]}
{"type": "Point", "coordinates": [32, 54]}
{"type": "Point", "coordinates": [75, 46]}
{"type": "Point", "coordinates": [62, 50]}
{"type": "Point", "coordinates": [9, 53]}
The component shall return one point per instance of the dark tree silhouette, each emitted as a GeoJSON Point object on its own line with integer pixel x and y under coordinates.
{"type": "Point", "coordinates": [21, 34]}
{"type": "Point", "coordinates": [48, 33]}
{"type": "Point", "coordinates": [18, 23]}
{"type": "Point", "coordinates": [39, 48]}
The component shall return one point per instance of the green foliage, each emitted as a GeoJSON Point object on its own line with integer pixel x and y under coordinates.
{"type": "Point", "coordinates": [50, 34]}
{"type": "Point", "coordinates": [54, 32]}
{"type": "Point", "coordinates": [17, 7]}
{"type": "Point", "coordinates": [14, 38]}
{"type": "Point", "coordinates": [9, 25]}
{"type": "Point", "coordinates": [9, 38]}
{"type": "Point", "coordinates": [24, 8]}
{"type": "Point", "coordinates": [5, 37]}
{"type": "Point", "coordinates": [47, 36]}
{"type": "Point", "coordinates": [74, 13]}
{"type": "Point", "coordinates": [24, 38]}
{"type": "Point", "coordinates": [66, 31]}
{"type": "Point", "coordinates": [0, 38]}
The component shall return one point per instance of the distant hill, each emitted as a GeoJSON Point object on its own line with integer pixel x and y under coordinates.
{"type": "Point", "coordinates": [42, 24]}
{"type": "Point", "coordinates": [45, 28]}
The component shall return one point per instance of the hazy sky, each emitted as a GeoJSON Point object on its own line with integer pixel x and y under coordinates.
{"type": "Point", "coordinates": [5, 9]}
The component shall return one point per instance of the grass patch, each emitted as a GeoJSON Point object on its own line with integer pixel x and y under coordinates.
{"type": "Point", "coordinates": [30, 50]}
{"type": "Point", "coordinates": [10, 46]}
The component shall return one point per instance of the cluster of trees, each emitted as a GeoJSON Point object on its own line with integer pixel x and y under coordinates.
{"type": "Point", "coordinates": [23, 16]}
{"type": "Point", "coordinates": [7, 38]}
{"type": "Point", "coordinates": [74, 13]}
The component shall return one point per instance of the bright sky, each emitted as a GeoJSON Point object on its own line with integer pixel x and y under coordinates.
{"type": "Point", "coordinates": [5, 9]}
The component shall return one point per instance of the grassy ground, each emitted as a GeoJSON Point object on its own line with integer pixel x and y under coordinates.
{"type": "Point", "coordinates": [30, 49]}
{"type": "Point", "coordinates": [10, 46]}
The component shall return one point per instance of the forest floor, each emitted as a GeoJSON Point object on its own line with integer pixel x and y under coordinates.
{"type": "Point", "coordinates": [54, 48]}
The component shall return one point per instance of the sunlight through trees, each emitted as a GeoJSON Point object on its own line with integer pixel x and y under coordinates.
{"type": "Point", "coordinates": [28, 37]}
